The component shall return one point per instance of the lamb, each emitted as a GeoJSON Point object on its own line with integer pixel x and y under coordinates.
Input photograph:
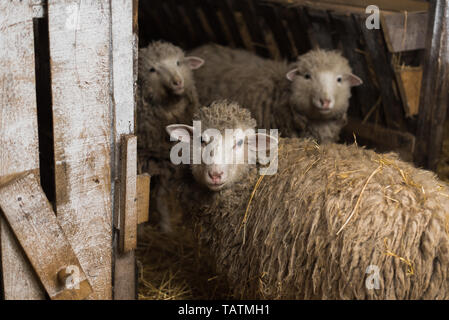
{"type": "Point", "coordinates": [166, 94]}
{"type": "Point", "coordinates": [307, 98]}
{"type": "Point", "coordinates": [335, 221]}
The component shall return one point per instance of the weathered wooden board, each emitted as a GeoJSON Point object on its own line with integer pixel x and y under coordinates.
{"type": "Point", "coordinates": [128, 193]}
{"type": "Point", "coordinates": [384, 5]}
{"type": "Point", "coordinates": [405, 31]}
{"type": "Point", "coordinates": [124, 55]}
{"type": "Point", "coordinates": [143, 197]}
{"type": "Point", "coordinates": [409, 82]}
{"type": "Point", "coordinates": [80, 75]}
{"type": "Point", "coordinates": [18, 134]}
{"type": "Point", "coordinates": [34, 224]}
{"type": "Point", "coordinates": [435, 87]}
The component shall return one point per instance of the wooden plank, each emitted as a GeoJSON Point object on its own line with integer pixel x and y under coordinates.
{"type": "Point", "coordinates": [80, 67]}
{"type": "Point", "coordinates": [321, 31]}
{"type": "Point", "coordinates": [34, 223]}
{"type": "Point", "coordinates": [435, 87]}
{"type": "Point", "coordinates": [124, 55]}
{"type": "Point", "coordinates": [18, 152]}
{"type": "Point", "coordinates": [128, 194]}
{"type": "Point", "coordinates": [392, 104]}
{"type": "Point", "coordinates": [364, 96]}
{"type": "Point", "coordinates": [143, 197]}
{"type": "Point", "coordinates": [210, 8]}
{"type": "Point", "coordinates": [274, 21]}
{"type": "Point", "coordinates": [384, 5]}
{"type": "Point", "coordinates": [405, 31]}
{"type": "Point", "coordinates": [298, 29]}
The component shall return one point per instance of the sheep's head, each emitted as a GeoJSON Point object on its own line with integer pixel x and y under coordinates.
{"type": "Point", "coordinates": [164, 71]}
{"type": "Point", "coordinates": [224, 141]}
{"type": "Point", "coordinates": [321, 84]}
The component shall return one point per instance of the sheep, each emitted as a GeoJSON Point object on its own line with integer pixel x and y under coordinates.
{"type": "Point", "coordinates": [166, 94]}
{"type": "Point", "coordinates": [335, 222]}
{"type": "Point", "coordinates": [307, 98]}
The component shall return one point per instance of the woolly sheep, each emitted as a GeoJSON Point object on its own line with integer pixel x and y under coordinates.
{"type": "Point", "coordinates": [166, 94]}
{"type": "Point", "coordinates": [307, 98]}
{"type": "Point", "coordinates": [335, 222]}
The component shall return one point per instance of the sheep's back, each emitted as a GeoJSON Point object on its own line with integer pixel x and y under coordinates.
{"type": "Point", "coordinates": [293, 250]}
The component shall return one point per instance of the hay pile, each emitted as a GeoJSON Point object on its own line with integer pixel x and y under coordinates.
{"type": "Point", "coordinates": [174, 267]}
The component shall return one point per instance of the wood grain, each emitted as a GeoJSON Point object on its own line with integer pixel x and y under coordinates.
{"type": "Point", "coordinates": [434, 90]}
{"type": "Point", "coordinates": [34, 223]}
{"type": "Point", "coordinates": [124, 77]}
{"type": "Point", "coordinates": [80, 75]}
{"type": "Point", "coordinates": [18, 152]}
{"type": "Point", "coordinates": [143, 197]}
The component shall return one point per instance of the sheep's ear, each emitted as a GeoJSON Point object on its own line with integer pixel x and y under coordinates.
{"type": "Point", "coordinates": [180, 132]}
{"type": "Point", "coordinates": [354, 81]}
{"type": "Point", "coordinates": [292, 74]}
{"type": "Point", "coordinates": [194, 62]}
{"type": "Point", "coordinates": [261, 142]}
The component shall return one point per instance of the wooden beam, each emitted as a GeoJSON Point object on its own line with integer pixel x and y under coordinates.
{"type": "Point", "coordinates": [18, 136]}
{"type": "Point", "coordinates": [435, 87]}
{"type": "Point", "coordinates": [80, 74]}
{"type": "Point", "coordinates": [34, 223]}
{"type": "Point", "coordinates": [405, 31]}
{"type": "Point", "coordinates": [124, 54]}
{"type": "Point", "coordinates": [391, 103]}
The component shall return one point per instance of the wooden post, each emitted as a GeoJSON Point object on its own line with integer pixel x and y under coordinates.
{"type": "Point", "coordinates": [434, 90]}
{"type": "Point", "coordinates": [18, 135]}
{"type": "Point", "coordinates": [80, 81]}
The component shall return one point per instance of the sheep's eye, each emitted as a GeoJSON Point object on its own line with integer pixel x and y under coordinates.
{"type": "Point", "coordinates": [178, 63]}
{"type": "Point", "coordinates": [152, 70]}
{"type": "Point", "coordinates": [339, 79]}
{"type": "Point", "coordinates": [307, 76]}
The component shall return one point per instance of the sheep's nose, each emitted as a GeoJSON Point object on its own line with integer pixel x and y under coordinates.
{"type": "Point", "coordinates": [215, 176]}
{"type": "Point", "coordinates": [325, 103]}
{"type": "Point", "coordinates": [177, 83]}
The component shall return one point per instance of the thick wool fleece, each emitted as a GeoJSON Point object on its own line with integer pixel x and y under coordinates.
{"type": "Point", "coordinates": [295, 244]}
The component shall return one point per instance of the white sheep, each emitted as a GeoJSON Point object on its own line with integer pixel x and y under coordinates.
{"type": "Point", "coordinates": [166, 94]}
{"type": "Point", "coordinates": [307, 98]}
{"type": "Point", "coordinates": [335, 221]}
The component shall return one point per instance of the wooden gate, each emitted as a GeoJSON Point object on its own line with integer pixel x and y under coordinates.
{"type": "Point", "coordinates": [78, 243]}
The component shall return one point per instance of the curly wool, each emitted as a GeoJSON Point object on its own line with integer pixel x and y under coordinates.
{"type": "Point", "coordinates": [292, 249]}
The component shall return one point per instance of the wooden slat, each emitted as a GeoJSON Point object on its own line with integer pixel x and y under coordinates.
{"type": "Point", "coordinates": [365, 96]}
{"type": "Point", "coordinates": [143, 197]}
{"type": "Point", "coordinates": [386, 139]}
{"type": "Point", "coordinates": [321, 31]}
{"type": "Point", "coordinates": [377, 50]}
{"type": "Point", "coordinates": [124, 55]}
{"type": "Point", "coordinates": [405, 31]}
{"type": "Point", "coordinates": [80, 67]}
{"type": "Point", "coordinates": [384, 5]}
{"type": "Point", "coordinates": [18, 134]}
{"type": "Point", "coordinates": [210, 8]}
{"type": "Point", "coordinates": [35, 225]}
{"type": "Point", "coordinates": [128, 194]}
{"type": "Point", "coordinates": [435, 87]}
{"type": "Point", "coordinates": [229, 16]}
{"type": "Point", "coordinates": [298, 29]}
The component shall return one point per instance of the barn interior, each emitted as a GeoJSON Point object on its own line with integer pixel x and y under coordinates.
{"type": "Point", "coordinates": [385, 114]}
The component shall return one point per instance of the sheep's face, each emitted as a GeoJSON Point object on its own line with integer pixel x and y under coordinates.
{"type": "Point", "coordinates": [321, 84]}
{"type": "Point", "coordinates": [164, 76]}
{"type": "Point", "coordinates": [224, 156]}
